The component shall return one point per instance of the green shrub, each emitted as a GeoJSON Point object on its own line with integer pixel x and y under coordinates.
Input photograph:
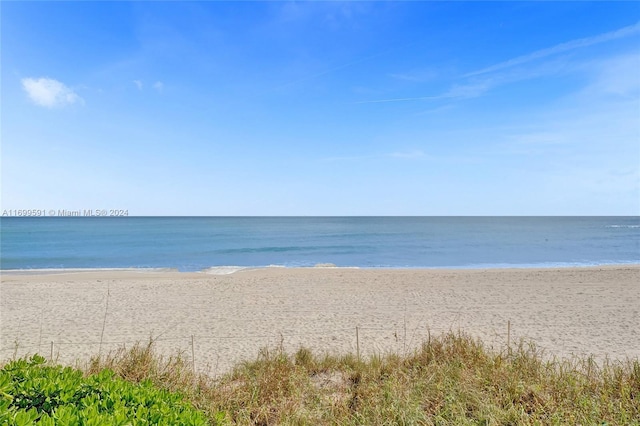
{"type": "Point", "coordinates": [32, 393]}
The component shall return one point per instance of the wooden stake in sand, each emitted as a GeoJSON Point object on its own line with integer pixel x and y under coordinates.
{"type": "Point", "coordinates": [509, 336]}
{"type": "Point", "coordinates": [357, 344]}
{"type": "Point", "coordinates": [193, 356]}
{"type": "Point", "coordinates": [104, 320]}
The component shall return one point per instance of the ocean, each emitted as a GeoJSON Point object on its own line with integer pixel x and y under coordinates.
{"type": "Point", "coordinates": [220, 243]}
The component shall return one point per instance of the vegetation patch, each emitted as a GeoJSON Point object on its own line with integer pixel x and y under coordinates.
{"type": "Point", "coordinates": [451, 380]}
{"type": "Point", "coordinates": [33, 393]}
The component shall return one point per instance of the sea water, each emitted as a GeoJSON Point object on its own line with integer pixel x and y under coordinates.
{"type": "Point", "coordinates": [201, 243]}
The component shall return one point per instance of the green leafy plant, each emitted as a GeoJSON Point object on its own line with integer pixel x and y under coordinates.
{"type": "Point", "coordinates": [33, 393]}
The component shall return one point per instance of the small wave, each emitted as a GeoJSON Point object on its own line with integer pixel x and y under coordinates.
{"type": "Point", "coordinates": [224, 270]}
{"type": "Point", "coordinates": [228, 270]}
{"type": "Point", "coordinates": [622, 226]}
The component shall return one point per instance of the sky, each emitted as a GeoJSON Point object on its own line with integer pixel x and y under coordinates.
{"type": "Point", "coordinates": [321, 108]}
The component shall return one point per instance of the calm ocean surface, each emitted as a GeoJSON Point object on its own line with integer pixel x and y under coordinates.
{"type": "Point", "coordinates": [199, 243]}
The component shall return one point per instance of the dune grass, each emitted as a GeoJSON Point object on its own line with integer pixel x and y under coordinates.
{"type": "Point", "coordinates": [451, 380]}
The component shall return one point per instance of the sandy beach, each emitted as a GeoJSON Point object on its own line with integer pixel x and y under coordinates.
{"type": "Point", "coordinates": [230, 317]}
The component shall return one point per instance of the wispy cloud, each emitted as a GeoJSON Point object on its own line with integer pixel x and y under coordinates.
{"type": "Point", "coordinates": [333, 15]}
{"type": "Point", "coordinates": [618, 76]}
{"type": "Point", "coordinates": [479, 82]}
{"type": "Point", "coordinates": [457, 91]}
{"type": "Point", "coordinates": [157, 86]}
{"type": "Point", "coordinates": [589, 126]}
{"type": "Point", "coordinates": [49, 93]}
{"type": "Point", "coordinates": [471, 90]}
{"type": "Point", "coordinates": [560, 48]}
{"type": "Point", "coordinates": [408, 154]}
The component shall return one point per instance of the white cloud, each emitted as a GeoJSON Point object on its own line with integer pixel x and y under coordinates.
{"type": "Point", "coordinates": [159, 86]}
{"type": "Point", "coordinates": [138, 84]}
{"type": "Point", "coordinates": [49, 93]}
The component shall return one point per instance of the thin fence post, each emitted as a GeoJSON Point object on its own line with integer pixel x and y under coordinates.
{"type": "Point", "coordinates": [104, 320]}
{"type": "Point", "coordinates": [357, 343]}
{"type": "Point", "coordinates": [509, 336]}
{"type": "Point", "coordinates": [193, 356]}
{"type": "Point", "coordinates": [404, 343]}
{"type": "Point", "coordinates": [51, 355]}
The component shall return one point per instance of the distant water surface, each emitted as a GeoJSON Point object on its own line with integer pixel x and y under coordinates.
{"type": "Point", "coordinates": [198, 243]}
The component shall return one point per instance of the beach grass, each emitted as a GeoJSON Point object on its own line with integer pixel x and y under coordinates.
{"type": "Point", "coordinates": [452, 379]}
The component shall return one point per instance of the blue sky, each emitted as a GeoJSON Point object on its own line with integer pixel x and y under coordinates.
{"type": "Point", "coordinates": [323, 108]}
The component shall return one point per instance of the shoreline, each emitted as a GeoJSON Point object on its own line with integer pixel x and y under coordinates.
{"type": "Point", "coordinates": [565, 311]}
{"type": "Point", "coordinates": [231, 269]}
